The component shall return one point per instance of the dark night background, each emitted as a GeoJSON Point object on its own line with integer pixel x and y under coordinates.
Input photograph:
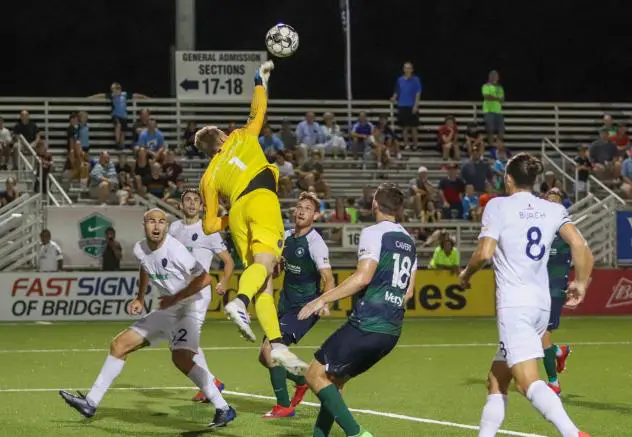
{"type": "Point", "coordinates": [555, 50]}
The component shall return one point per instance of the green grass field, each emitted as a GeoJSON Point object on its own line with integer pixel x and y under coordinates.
{"type": "Point", "coordinates": [431, 385]}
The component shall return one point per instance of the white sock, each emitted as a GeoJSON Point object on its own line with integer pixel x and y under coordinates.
{"type": "Point", "coordinates": [277, 345]}
{"type": "Point", "coordinates": [200, 360]}
{"type": "Point", "coordinates": [202, 378]}
{"type": "Point", "coordinates": [109, 372]}
{"type": "Point", "coordinates": [549, 404]}
{"type": "Point", "coordinates": [493, 415]}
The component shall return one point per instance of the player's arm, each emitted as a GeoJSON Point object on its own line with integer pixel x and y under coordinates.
{"type": "Point", "coordinates": [411, 286]}
{"type": "Point", "coordinates": [229, 266]}
{"type": "Point", "coordinates": [327, 277]}
{"type": "Point", "coordinates": [211, 222]}
{"type": "Point", "coordinates": [259, 104]}
{"type": "Point", "coordinates": [187, 264]}
{"type": "Point", "coordinates": [199, 282]}
{"type": "Point", "coordinates": [582, 260]}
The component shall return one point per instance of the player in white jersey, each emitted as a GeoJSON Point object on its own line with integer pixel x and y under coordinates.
{"type": "Point", "coordinates": [516, 235]}
{"type": "Point", "coordinates": [204, 248]}
{"type": "Point", "coordinates": [182, 282]}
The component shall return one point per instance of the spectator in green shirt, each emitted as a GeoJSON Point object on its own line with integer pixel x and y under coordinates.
{"type": "Point", "coordinates": [493, 99]}
{"type": "Point", "coordinates": [446, 256]}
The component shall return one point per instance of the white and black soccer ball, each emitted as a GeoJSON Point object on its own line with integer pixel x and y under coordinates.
{"type": "Point", "coordinates": [282, 40]}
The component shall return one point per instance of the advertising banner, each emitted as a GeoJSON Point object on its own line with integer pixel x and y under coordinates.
{"type": "Point", "coordinates": [609, 293]}
{"type": "Point", "coordinates": [105, 296]}
{"type": "Point", "coordinates": [80, 232]}
{"type": "Point", "coordinates": [217, 75]}
{"type": "Point", "coordinates": [624, 237]}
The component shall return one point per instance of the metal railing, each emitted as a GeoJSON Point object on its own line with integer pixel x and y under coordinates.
{"type": "Point", "coordinates": [20, 227]}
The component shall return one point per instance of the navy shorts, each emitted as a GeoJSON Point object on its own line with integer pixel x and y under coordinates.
{"type": "Point", "coordinates": [406, 117]}
{"type": "Point", "coordinates": [293, 329]}
{"type": "Point", "coordinates": [120, 120]}
{"type": "Point", "coordinates": [557, 304]}
{"type": "Point", "coordinates": [494, 123]}
{"type": "Point", "coordinates": [349, 352]}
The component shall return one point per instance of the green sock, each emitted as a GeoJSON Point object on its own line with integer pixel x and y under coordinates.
{"type": "Point", "coordinates": [550, 366]}
{"type": "Point", "coordinates": [324, 421]}
{"type": "Point", "coordinates": [277, 378]}
{"type": "Point", "coordinates": [331, 399]}
{"type": "Point", "coordinates": [298, 380]}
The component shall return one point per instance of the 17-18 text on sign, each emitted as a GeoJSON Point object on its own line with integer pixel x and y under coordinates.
{"type": "Point", "coordinates": [217, 75]}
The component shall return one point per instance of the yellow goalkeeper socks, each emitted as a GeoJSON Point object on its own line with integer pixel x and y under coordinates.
{"type": "Point", "coordinates": [267, 315]}
{"type": "Point", "coordinates": [251, 281]}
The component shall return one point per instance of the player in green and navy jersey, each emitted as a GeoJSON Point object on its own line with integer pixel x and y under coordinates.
{"type": "Point", "coordinates": [384, 280]}
{"type": "Point", "coordinates": [558, 267]}
{"type": "Point", "coordinates": [306, 263]}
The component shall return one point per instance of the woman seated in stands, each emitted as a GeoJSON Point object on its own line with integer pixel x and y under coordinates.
{"type": "Point", "coordinates": [447, 136]}
{"type": "Point", "coordinates": [142, 168]}
{"type": "Point", "coordinates": [474, 138]}
{"type": "Point", "coordinates": [77, 165]}
{"type": "Point", "coordinates": [339, 215]}
{"type": "Point", "coordinates": [10, 192]}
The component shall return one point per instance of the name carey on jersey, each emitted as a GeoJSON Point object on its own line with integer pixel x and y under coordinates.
{"type": "Point", "coordinates": [403, 245]}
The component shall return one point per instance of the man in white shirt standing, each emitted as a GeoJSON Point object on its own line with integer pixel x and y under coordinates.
{"type": "Point", "coordinates": [51, 258]}
{"type": "Point", "coordinates": [516, 234]}
{"type": "Point", "coordinates": [6, 140]}
{"type": "Point", "coordinates": [182, 283]}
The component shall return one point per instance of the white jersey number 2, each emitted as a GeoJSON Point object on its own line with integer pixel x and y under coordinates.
{"type": "Point", "coordinates": [401, 271]}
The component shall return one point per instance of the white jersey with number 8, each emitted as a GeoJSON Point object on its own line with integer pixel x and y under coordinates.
{"type": "Point", "coordinates": [524, 227]}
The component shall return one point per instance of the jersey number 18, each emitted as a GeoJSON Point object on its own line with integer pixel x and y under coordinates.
{"type": "Point", "coordinates": [401, 271]}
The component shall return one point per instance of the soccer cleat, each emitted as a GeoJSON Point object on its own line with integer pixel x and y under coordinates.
{"type": "Point", "coordinates": [561, 360]}
{"type": "Point", "coordinates": [556, 388]}
{"type": "Point", "coordinates": [236, 312]}
{"type": "Point", "coordinates": [264, 73]}
{"type": "Point", "coordinates": [292, 363]}
{"type": "Point", "coordinates": [201, 397]}
{"type": "Point", "coordinates": [299, 394]}
{"type": "Point", "coordinates": [583, 434]}
{"type": "Point", "coordinates": [223, 417]}
{"type": "Point", "coordinates": [79, 403]}
{"type": "Point", "coordinates": [279, 411]}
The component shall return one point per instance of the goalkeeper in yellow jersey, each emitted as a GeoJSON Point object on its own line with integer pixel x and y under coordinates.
{"type": "Point", "coordinates": [240, 172]}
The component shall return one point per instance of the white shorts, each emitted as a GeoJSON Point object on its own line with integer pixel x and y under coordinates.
{"type": "Point", "coordinates": [520, 330]}
{"type": "Point", "coordinates": [180, 325]}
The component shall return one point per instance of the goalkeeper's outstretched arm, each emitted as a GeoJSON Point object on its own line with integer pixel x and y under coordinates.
{"type": "Point", "coordinates": [259, 103]}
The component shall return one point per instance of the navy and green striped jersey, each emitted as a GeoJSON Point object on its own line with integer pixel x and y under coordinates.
{"type": "Point", "coordinates": [380, 306]}
{"type": "Point", "coordinates": [559, 266]}
{"type": "Point", "coordinates": [304, 258]}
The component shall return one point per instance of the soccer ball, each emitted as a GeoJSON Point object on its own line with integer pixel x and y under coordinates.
{"type": "Point", "coordinates": [282, 40]}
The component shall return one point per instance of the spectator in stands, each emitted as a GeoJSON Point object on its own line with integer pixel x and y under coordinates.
{"type": "Point", "coordinates": [378, 141]}
{"type": "Point", "coordinates": [476, 171]}
{"type": "Point", "coordinates": [51, 258]}
{"type": "Point", "coordinates": [360, 135]}
{"type": "Point", "coordinates": [307, 172]}
{"type": "Point", "coordinates": [602, 153]}
{"type": "Point", "coordinates": [6, 142]}
{"type": "Point", "coordinates": [498, 146]}
{"type": "Point", "coordinates": [429, 213]}
{"type": "Point", "coordinates": [332, 135]}
{"type": "Point", "coordinates": [112, 252]}
{"type": "Point", "coordinates": [474, 138]}
{"type": "Point", "coordinates": [270, 143]}
{"type": "Point", "coordinates": [350, 208]}
{"type": "Point", "coordinates": [610, 126]}
{"type": "Point", "coordinates": [621, 138]}
{"type": "Point", "coordinates": [447, 136]}
{"type": "Point", "coordinates": [365, 205]}
{"type": "Point", "coordinates": [498, 169]}
{"type": "Point", "coordinates": [287, 135]}
{"type": "Point", "coordinates": [549, 182]}
{"type": "Point", "coordinates": [390, 138]}
{"type": "Point", "coordinates": [152, 139]}
{"type": "Point", "coordinates": [10, 192]}
{"type": "Point", "coordinates": [83, 131]}
{"type": "Point", "coordinates": [156, 183]}
{"type": "Point", "coordinates": [446, 256]}
{"type": "Point", "coordinates": [321, 188]}
{"type": "Point", "coordinates": [309, 137]}
{"type": "Point", "coordinates": [451, 188]}
{"type": "Point", "coordinates": [231, 127]}
{"type": "Point", "coordinates": [471, 205]}
{"type": "Point", "coordinates": [104, 179]}
{"type": "Point", "coordinates": [487, 196]}
{"type": "Point", "coordinates": [286, 173]}
{"type": "Point", "coordinates": [340, 214]}
{"type": "Point", "coordinates": [141, 124]}
{"type": "Point", "coordinates": [29, 130]}
{"type": "Point", "coordinates": [118, 100]}
{"type": "Point", "coordinates": [170, 167]}
{"type": "Point", "coordinates": [421, 190]}
{"type": "Point", "coordinates": [584, 168]}
{"type": "Point", "coordinates": [142, 167]}
{"type": "Point", "coordinates": [188, 141]}
{"type": "Point", "coordinates": [46, 159]}
{"type": "Point", "coordinates": [407, 95]}
{"type": "Point", "coordinates": [559, 188]}
{"type": "Point", "coordinates": [493, 100]}
{"type": "Point", "coordinates": [72, 132]}
{"type": "Point", "coordinates": [174, 192]}
{"type": "Point", "coordinates": [626, 175]}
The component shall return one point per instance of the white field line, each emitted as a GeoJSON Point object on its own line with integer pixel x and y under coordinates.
{"type": "Point", "coordinates": [310, 404]}
{"type": "Point", "coordinates": [241, 348]}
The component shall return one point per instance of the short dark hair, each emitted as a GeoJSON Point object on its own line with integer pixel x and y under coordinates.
{"type": "Point", "coordinates": [524, 169]}
{"type": "Point", "coordinates": [389, 198]}
{"type": "Point", "coordinates": [110, 229]}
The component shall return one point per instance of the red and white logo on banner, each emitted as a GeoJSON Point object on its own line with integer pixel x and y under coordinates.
{"type": "Point", "coordinates": [621, 294]}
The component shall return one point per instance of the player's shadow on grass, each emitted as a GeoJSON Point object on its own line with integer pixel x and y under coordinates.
{"type": "Point", "coordinates": [576, 401]}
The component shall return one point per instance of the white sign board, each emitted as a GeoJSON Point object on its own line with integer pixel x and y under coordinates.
{"type": "Point", "coordinates": [70, 296]}
{"type": "Point", "coordinates": [350, 237]}
{"type": "Point", "coordinates": [80, 232]}
{"type": "Point", "coordinates": [217, 75]}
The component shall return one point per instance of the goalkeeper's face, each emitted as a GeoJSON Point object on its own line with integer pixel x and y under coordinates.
{"type": "Point", "coordinates": [211, 140]}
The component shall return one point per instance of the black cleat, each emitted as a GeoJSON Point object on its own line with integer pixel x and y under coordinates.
{"type": "Point", "coordinates": [222, 417]}
{"type": "Point", "coordinates": [80, 403]}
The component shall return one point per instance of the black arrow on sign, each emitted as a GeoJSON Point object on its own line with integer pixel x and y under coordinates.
{"type": "Point", "coordinates": [189, 85]}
